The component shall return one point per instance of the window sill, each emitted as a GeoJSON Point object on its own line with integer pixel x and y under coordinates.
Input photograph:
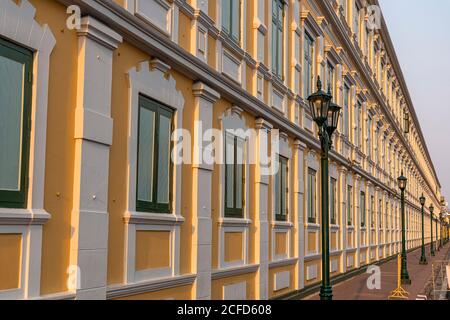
{"type": "Point", "coordinates": [234, 222]}
{"type": "Point", "coordinates": [282, 224]}
{"type": "Point", "coordinates": [153, 218]}
{"type": "Point", "coordinates": [313, 226]}
{"type": "Point", "coordinates": [23, 216]}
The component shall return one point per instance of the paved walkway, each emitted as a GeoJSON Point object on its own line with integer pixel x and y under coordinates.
{"type": "Point", "coordinates": [356, 288]}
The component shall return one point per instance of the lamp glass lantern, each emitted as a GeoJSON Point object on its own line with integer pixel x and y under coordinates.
{"type": "Point", "coordinates": [422, 200]}
{"type": "Point", "coordinates": [334, 113]}
{"type": "Point", "coordinates": [402, 180]}
{"type": "Point", "coordinates": [319, 103]}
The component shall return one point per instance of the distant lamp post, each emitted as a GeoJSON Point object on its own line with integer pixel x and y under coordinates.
{"type": "Point", "coordinates": [437, 234]}
{"type": "Point", "coordinates": [423, 258]}
{"type": "Point", "coordinates": [441, 222]}
{"type": "Point", "coordinates": [326, 115]}
{"type": "Point", "coordinates": [402, 180]}
{"type": "Point", "coordinates": [431, 224]}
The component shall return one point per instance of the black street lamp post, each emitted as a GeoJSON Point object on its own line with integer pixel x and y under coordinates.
{"type": "Point", "coordinates": [437, 234]}
{"type": "Point", "coordinates": [441, 221]}
{"type": "Point", "coordinates": [431, 224]}
{"type": "Point", "coordinates": [402, 180]}
{"type": "Point", "coordinates": [423, 258]}
{"type": "Point", "coordinates": [326, 115]}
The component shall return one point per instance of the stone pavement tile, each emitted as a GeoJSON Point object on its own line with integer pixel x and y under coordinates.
{"type": "Point", "coordinates": [356, 287]}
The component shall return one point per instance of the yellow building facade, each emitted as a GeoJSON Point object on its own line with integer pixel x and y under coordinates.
{"type": "Point", "coordinates": [92, 207]}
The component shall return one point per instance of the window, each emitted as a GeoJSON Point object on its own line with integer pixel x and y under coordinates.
{"type": "Point", "coordinates": [366, 45]}
{"type": "Point", "coordinates": [277, 37]}
{"type": "Point", "coordinates": [362, 208]}
{"type": "Point", "coordinates": [387, 215]}
{"type": "Point", "coordinates": [377, 137]}
{"type": "Point", "coordinates": [356, 22]}
{"type": "Point", "coordinates": [308, 75]}
{"type": "Point", "coordinates": [369, 137]}
{"type": "Point", "coordinates": [234, 176]}
{"type": "Point", "coordinates": [349, 205]}
{"type": "Point", "coordinates": [372, 211]}
{"type": "Point", "coordinates": [281, 190]}
{"type": "Point", "coordinates": [380, 214]}
{"type": "Point", "coordinates": [330, 80]}
{"type": "Point", "coordinates": [154, 161]}
{"type": "Point", "coordinates": [15, 112]}
{"type": "Point", "coordinates": [346, 121]}
{"type": "Point", "coordinates": [333, 204]}
{"type": "Point", "coordinates": [231, 18]}
{"type": "Point", "coordinates": [312, 196]}
{"type": "Point", "coordinates": [344, 8]}
{"type": "Point", "coordinates": [358, 116]}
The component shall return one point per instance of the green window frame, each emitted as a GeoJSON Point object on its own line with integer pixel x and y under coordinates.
{"type": "Point", "coordinates": [380, 214]}
{"type": "Point", "coordinates": [362, 208]}
{"type": "Point", "coordinates": [17, 63]}
{"type": "Point", "coordinates": [331, 80]}
{"type": "Point", "coordinates": [372, 211]}
{"type": "Point", "coordinates": [234, 176]}
{"type": "Point", "coordinates": [312, 196]}
{"type": "Point", "coordinates": [308, 75]}
{"type": "Point", "coordinates": [333, 204]}
{"type": "Point", "coordinates": [282, 190]}
{"type": "Point", "coordinates": [346, 122]}
{"type": "Point", "coordinates": [349, 206]}
{"type": "Point", "coordinates": [150, 183]}
{"type": "Point", "coordinates": [231, 19]}
{"type": "Point", "coordinates": [277, 37]}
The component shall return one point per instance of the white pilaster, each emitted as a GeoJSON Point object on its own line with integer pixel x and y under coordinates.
{"type": "Point", "coordinates": [205, 98]}
{"type": "Point", "coordinates": [299, 193]}
{"type": "Point", "coordinates": [93, 136]}
{"type": "Point", "coordinates": [262, 207]}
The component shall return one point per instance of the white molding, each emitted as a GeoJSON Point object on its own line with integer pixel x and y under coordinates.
{"type": "Point", "coordinates": [119, 291]}
{"type": "Point", "coordinates": [19, 25]}
{"type": "Point", "coordinates": [235, 291]}
{"type": "Point", "coordinates": [151, 83]}
{"type": "Point", "coordinates": [232, 119]}
{"type": "Point", "coordinates": [234, 271]}
{"type": "Point", "coordinates": [281, 280]}
{"type": "Point", "coordinates": [150, 79]}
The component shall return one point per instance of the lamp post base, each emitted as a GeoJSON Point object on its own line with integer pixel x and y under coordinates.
{"type": "Point", "coordinates": [326, 293]}
{"type": "Point", "coordinates": [423, 260]}
{"type": "Point", "coordinates": [406, 281]}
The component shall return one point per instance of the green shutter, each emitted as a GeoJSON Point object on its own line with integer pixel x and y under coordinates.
{"type": "Point", "coordinates": [154, 148]}
{"type": "Point", "coordinates": [16, 65]}
{"type": "Point", "coordinates": [234, 176]}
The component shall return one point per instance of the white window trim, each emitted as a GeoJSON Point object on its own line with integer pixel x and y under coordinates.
{"type": "Point", "coordinates": [283, 226]}
{"type": "Point", "coordinates": [232, 119]}
{"type": "Point", "coordinates": [21, 27]}
{"type": "Point", "coordinates": [150, 80]}
{"type": "Point", "coordinates": [172, 19]}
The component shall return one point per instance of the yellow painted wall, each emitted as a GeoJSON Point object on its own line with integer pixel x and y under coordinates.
{"type": "Point", "coordinates": [280, 243]}
{"type": "Point", "coordinates": [11, 261]}
{"type": "Point", "coordinates": [234, 250]}
{"type": "Point", "coordinates": [60, 146]}
{"type": "Point", "coordinates": [153, 250]}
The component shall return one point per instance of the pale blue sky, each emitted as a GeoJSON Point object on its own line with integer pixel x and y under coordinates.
{"type": "Point", "coordinates": [420, 30]}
